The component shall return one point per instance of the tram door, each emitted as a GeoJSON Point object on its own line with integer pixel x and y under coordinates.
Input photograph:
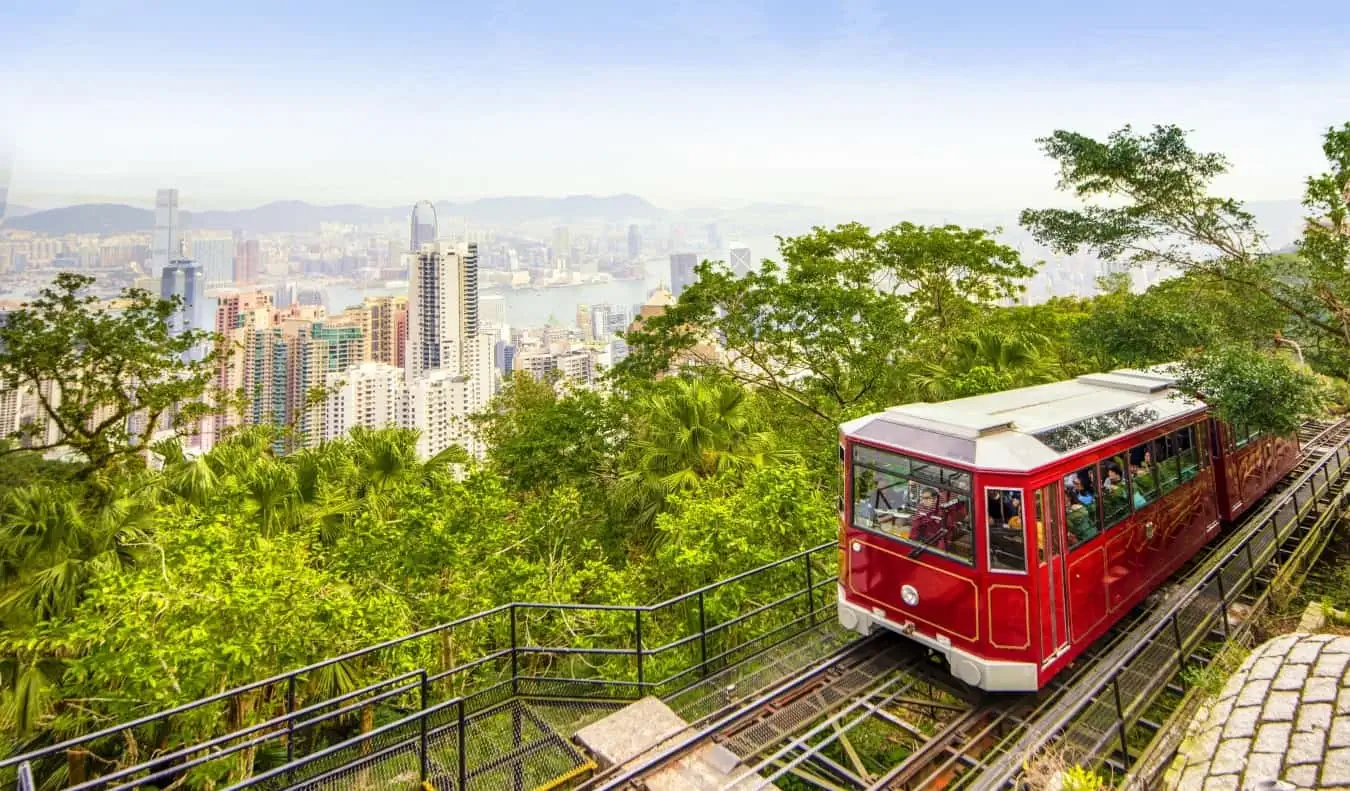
{"type": "Point", "coordinates": [1054, 609]}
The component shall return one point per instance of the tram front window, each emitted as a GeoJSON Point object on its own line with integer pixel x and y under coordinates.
{"type": "Point", "coordinates": [918, 502]}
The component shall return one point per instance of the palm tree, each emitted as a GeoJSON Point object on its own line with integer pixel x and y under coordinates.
{"type": "Point", "coordinates": [692, 429]}
{"type": "Point", "coordinates": [983, 359]}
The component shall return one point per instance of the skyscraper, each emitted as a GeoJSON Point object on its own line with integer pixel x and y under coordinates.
{"type": "Point", "coordinates": [183, 278]}
{"type": "Point", "coordinates": [634, 243]}
{"type": "Point", "coordinates": [442, 309]}
{"type": "Point", "coordinates": [165, 244]}
{"type": "Point", "coordinates": [714, 238]}
{"type": "Point", "coordinates": [216, 258]}
{"type": "Point", "coordinates": [423, 226]}
{"type": "Point", "coordinates": [741, 263]}
{"type": "Point", "coordinates": [682, 274]}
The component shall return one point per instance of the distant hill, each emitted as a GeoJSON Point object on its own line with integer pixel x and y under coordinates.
{"type": "Point", "coordinates": [301, 217]}
{"type": "Point", "coordinates": [102, 218]}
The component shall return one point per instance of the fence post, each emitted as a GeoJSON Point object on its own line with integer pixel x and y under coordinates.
{"type": "Point", "coordinates": [290, 723]}
{"type": "Point", "coordinates": [702, 637]}
{"type": "Point", "coordinates": [810, 592]}
{"type": "Point", "coordinates": [1223, 602]}
{"type": "Point", "coordinates": [637, 633]}
{"type": "Point", "coordinates": [422, 723]}
{"type": "Point", "coordinates": [463, 752]}
{"type": "Point", "coordinates": [1120, 711]}
{"type": "Point", "coordinates": [26, 777]}
{"type": "Point", "coordinates": [1181, 649]}
{"type": "Point", "coordinates": [515, 670]}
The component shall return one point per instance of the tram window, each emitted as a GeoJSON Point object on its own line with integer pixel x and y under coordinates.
{"type": "Point", "coordinates": [892, 494]}
{"type": "Point", "coordinates": [1188, 454]}
{"type": "Point", "coordinates": [1115, 491]}
{"type": "Point", "coordinates": [1003, 510]}
{"type": "Point", "coordinates": [1080, 495]}
{"type": "Point", "coordinates": [1166, 457]}
{"type": "Point", "coordinates": [1201, 446]}
{"type": "Point", "coordinates": [1045, 517]}
{"type": "Point", "coordinates": [1143, 475]}
{"type": "Point", "coordinates": [1242, 435]}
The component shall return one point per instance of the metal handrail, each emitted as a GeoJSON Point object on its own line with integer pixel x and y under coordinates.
{"type": "Point", "coordinates": [517, 653]}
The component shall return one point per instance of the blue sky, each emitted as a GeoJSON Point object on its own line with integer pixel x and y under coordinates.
{"type": "Point", "coordinates": [687, 103]}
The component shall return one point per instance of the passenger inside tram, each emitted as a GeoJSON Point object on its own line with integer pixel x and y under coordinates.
{"type": "Point", "coordinates": [1082, 506]}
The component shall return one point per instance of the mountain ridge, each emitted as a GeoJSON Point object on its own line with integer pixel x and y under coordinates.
{"type": "Point", "coordinates": [295, 216]}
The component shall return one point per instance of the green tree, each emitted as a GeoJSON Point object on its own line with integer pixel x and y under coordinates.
{"type": "Point", "coordinates": [93, 368]}
{"type": "Point", "coordinates": [1167, 216]}
{"type": "Point", "coordinates": [833, 331]}
{"type": "Point", "coordinates": [986, 360]}
{"type": "Point", "coordinates": [689, 429]}
{"type": "Point", "coordinates": [539, 436]}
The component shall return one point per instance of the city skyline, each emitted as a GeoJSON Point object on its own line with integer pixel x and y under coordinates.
{"type": "Point", "coordinates": [855, 105]}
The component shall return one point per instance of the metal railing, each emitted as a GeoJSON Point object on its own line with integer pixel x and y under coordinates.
{"type": "Point", "coordinates": [460, 669]}
{"type": "Point", "coordinates": [1115, 696]}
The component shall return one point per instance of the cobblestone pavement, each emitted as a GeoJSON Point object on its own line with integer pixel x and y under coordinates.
{"type": "Point", "coordinates": [1285, 714]}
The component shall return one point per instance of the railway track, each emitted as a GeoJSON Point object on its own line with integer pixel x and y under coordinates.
{"type": "Point", "coordinates": [883, 714]}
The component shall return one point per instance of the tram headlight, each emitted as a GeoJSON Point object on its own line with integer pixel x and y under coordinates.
{"type": "Point", "coordinates": [909, 595]}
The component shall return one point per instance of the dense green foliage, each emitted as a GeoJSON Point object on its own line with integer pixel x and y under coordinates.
{"type": "Point", "coordinates": [126, 589]}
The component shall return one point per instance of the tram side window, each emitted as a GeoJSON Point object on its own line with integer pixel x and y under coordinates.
{"type": "Point", "coordinates": [1189, 453]}
{"type": "Point", "coordinates": [1143, 475]}
{"type": "Point", "coordinates": [1115, 491]}
{"type": "Point", "coordinates": [894, 495]}
{"type": "Point", "coordinates": [1080, 497]}
{"type": "Point", "coordinates": [1003, 521]}
{"type": "Point", "coordinates": [1243, 435]}
{"type": "Point", "coordinates": [1166, 458]}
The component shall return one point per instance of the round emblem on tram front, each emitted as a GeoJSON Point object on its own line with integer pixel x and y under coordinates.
{"type": "Point", "coordinates": [909, 595]}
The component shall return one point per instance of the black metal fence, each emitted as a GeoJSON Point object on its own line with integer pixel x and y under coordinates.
{"type": "Point", "coordinates": [1114, 697]}
{"type": "Point", "coordinates": [410, 706]}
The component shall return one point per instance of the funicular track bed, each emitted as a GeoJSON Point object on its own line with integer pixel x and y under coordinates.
{"type": "Point", "coordinates": [883, 715]}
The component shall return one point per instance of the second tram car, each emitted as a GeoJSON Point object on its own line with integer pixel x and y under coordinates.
{"type": "Point", "coordinates": [1009, 531]}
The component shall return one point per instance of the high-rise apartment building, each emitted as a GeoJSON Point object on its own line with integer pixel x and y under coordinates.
{"type": "Point", "coordinates": [216, 258]}
{"type": "Point", "coordinates": [443, 309]}
{"type": "Point", "coordinates": [182, 278]}
{"type": "Point", "coordinates": [682, 274]}
{"type": "Point", "coordinates": [164, 245]}
{"type": "Point", "coordinates": [439, 405]}
{"type": "Point", "coordinates": [247, 262]}
{"type": "Point", "coordinates": [387, 314]}
{"type": "Point", "coordinates": [371, 395]}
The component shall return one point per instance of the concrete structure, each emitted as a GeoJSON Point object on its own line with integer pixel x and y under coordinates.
{"type": "Point", "coordinates": [1284, 715]}
{"type": "Point", "coordinates": [644, 729]}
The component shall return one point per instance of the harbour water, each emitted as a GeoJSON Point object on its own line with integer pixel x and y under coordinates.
{"type": "Point", "coordinates": [536, 307]}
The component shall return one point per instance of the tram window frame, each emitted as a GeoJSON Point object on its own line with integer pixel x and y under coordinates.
{"type": "Point", "coordinates": [1078, 514]}
{"type": "Point", "coordinates": [1192, 445]}
{"type": "Point", "coordinates": [1115, 515]}
{"type": "Point", "coordinates": [1166, 462]}
{"type": "Point", "coordinates": [1145, 488]}
{"type": "Point", "coordinates": [1202, 447]}
{"type": "Point", "coordinates": [877, 461]}
{"type": "Point", "coordinates": [1014, 536]}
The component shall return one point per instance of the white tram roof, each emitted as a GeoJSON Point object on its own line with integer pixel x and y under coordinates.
{"type": "Point", "coordinates": [1027, 428]}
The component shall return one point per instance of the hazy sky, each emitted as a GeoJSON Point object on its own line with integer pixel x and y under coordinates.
{"type": "Point", "coordinates": [920, 104]}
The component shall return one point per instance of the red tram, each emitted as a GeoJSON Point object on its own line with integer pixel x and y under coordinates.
{"type": "Point", "coordinates": [1009, 531]}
